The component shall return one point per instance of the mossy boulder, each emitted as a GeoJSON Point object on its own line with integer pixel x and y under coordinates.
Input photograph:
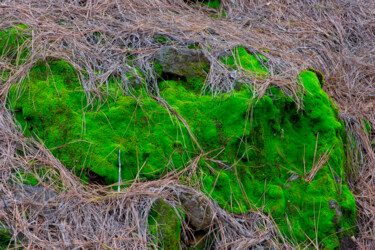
{"type": "Point", "coordinates": [254, 146]}
{"type": "Point", "coordinates": [87, 135]}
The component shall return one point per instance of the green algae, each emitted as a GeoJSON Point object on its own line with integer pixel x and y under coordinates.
{"type": "Point", "coordinates": [165, 225]}
{"type": "Point", "coordinates": [262, 151]}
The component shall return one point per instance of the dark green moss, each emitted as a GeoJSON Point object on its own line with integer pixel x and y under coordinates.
{"type": "Point", "coordinates": [194, 46]}
{"type": "Point", "coordinates": [5, 239]}
{"type": "Point", "coordinates": [215, 4]}
{"type": "Point", "coordinates": [165, 225]}
{"type": "Point", "coordinates": [258, 148]}
{"type": "Point", "coordinates": [221, 15]}
{"type": "Point", "coordinates": [158, 69]}
{"type": "Point", "coordinates": [95, 37]}
{"type": "Point", "coordinates": [367, 126]}
{"type": "Point", "coordinates": [161, 39]}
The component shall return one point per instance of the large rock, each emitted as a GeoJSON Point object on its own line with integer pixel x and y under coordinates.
{"type": "Point", "coordinates": [267, 143]}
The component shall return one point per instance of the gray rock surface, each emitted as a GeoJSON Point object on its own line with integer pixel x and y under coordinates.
{"type": "Point", "coordinates": [335, 205]}
{"type": "Point", "coordinates": [37, 193]}
{"type": "Point", "coordinates": [197, 211]}
{"type": "Point", "coordinates": [182, 62]}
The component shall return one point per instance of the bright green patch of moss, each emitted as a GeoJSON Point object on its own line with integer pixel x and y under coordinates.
{"type": "Point", "coordinates": [54, 107]}
{"type": "Point", "coordinates": [12, 43]}
{"type": "Point", "coordinates": [241, 59]}
{"type": "Point", "coordinates": [33, 176]}
{"type": "Point", "coordinates": [29, 178]}
{"type": "Point", "coordinates": [265, 143]}
{"type": "Point", "coordinates": [165, 225]}
{"type": "Point", "coordinates": [263, 151]}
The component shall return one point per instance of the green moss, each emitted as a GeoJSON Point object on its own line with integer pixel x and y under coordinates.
{"type": "Point", "coordinates": [28, 178]}
{"type": "Point", "coordinates": [215, 4]}
{"type": "Point", "coordinates": [263, 150]}
{"type": "Point", "coordinates": [367, 126]}
{"type": "Point", "coordinates": [165, 225]}
{"type": "Point", "coordinates": [32, 176]}
{"type": "Point", "coordinates": [161, 39]}
{"type": "Point", "coordinates": [256, 145]}
{"type": "Point", "coordinates": [5, 239]}
{"type": "Point", "coordinates": [12, 42]}
{"type": "Point", "coordinates": [158, 69]}
{"type": "Point", "coordinates": [95, 37]}
{"type": "Point", "coordinates": [319, 75]}
{"type": "Point", "coordinates": [83, 135]}
{"type": "Point", "coordinates": [194, 46]}
{"type": "Point", "coordinates": [221, 15]}
{"type": "Point", "coordinates": [241, 59]}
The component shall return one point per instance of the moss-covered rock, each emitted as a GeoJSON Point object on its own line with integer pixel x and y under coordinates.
{"type": "Point", "coordinates": [82, 135]}
{"type": "Point", "coordinates": [256, 145]}
{"type": "Point", "coordinates": [165, 225]}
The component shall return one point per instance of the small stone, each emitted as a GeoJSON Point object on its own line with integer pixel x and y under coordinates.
{"type": "Point", "coordinates": [337, 179]}
{"type": "Point", "coordinates": [335, 205]}
{"type": "Point", "coordinates": [182, 62]}
{"type": "Point", "coordinates": [293, 177]}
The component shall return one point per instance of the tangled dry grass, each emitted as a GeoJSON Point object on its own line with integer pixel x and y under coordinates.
{"type": "Point", "coordinates": [114, 37]}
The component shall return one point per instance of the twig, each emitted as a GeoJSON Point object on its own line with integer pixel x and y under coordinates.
{"type": "Point", "coordinates": [119, 170]}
